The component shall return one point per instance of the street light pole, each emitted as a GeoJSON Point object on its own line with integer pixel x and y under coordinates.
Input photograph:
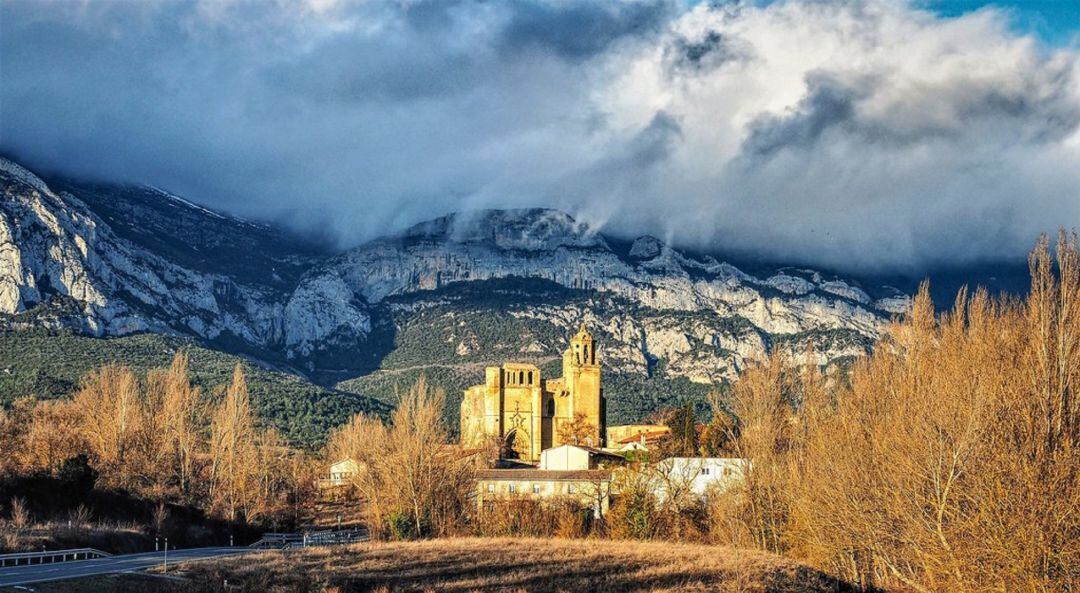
{"type": "Point", "coordinates": [165, 568]}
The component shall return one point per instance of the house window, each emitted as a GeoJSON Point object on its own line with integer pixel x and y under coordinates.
{"type": "Point", "coordinates": [513, 488]}
{"type": "Point", "coordinates": [727, 471]}
{"type": "Point", "coordinates": [569, 488]}
{"type": "Point", "coordinates": [704, 471]}
{"type": "Point", "coordinates": [536, 488]}
{"type": "Point", "coordinates": [491, 488]}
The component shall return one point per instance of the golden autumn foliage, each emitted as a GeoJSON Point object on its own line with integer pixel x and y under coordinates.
{"type": "Point", "coordinates": [233, 451]}
{"type": "Point", "coordinates": [162, 438]}
{"type": "Point", "coordinates": [411, 482]}
{"type": "Point", "coordinates": [578, 430]}
{"type": "Point", "coordinates": [113, 422]}
{"type": "Point", "coordinates": [948, 461]}
{"type": "Point", "coordinates": [36, 435]}
{"type": "Point", "coordinates": [182, 417]}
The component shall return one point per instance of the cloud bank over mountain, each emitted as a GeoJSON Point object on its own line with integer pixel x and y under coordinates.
{"type": "Point", "coordinates": [865, 135]}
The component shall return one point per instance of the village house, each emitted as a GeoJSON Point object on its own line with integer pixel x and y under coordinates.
{"type": "Point", "coordinates": [635, 437]}
{"type": "Point", "coordinates": [627, 432]}
{"type": "Point", "coordinates": [591, 488]}
{"type": "Point", "coordinates": [633, 446]}
{"type": "Point", "coordinates": [575, 457]}
{"type": "Point", "coordinates": [340, 474]}
{"type": "Point", "coordinates": [702, 475]}
{"type": "Point", "coordinates": [567, 472]}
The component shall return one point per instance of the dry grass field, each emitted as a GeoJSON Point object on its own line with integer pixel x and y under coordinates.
{"type": "Point", "coordinates": [485, 565]}
{"type": "Point", "coordinates": [513, 566]}
{"type": "Point", "coordinates": [116, 583]}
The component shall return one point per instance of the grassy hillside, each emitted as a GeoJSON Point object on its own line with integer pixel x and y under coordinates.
{"type": "Point", "coordinates": [49, 365]}
{"type": "Point", "coordinates": [515, 565]}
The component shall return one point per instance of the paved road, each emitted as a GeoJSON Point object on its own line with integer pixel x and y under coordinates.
{"type": "Point", "coordinates": [36, 573]}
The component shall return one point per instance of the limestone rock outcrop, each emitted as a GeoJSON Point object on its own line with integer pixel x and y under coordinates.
{"type": "Point", "coordinates": [115, 259]}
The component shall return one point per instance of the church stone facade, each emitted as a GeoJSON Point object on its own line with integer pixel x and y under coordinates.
{"type": "Point", "coordinates": [516, 405]}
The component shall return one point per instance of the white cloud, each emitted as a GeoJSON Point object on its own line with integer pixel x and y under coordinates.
{"type": "Point", "coordinates": [863, 135]}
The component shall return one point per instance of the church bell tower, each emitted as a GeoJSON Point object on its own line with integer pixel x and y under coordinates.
{"type": "Point", "coordinates": [582, 374]}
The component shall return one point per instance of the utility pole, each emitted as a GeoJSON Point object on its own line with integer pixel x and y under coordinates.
{"type": "Point", "coordinates": [165, 567]}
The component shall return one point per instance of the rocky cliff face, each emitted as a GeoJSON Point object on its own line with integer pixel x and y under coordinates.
{"type": "Point", "coordinates": [112, 259]}
{"type": "Point", "coordinates": [59, 254]}
{"type": "Point", "coordinates": [684, 307]}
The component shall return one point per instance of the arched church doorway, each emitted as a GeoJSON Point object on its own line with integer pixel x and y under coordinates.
{"type": "Point", "coordinates": [517, 445]}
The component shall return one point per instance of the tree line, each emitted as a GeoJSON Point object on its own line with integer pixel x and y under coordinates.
{"type": "Point", "coordinates": [947, 460]}
{"type": "Point", "coordinates": [162, 438]}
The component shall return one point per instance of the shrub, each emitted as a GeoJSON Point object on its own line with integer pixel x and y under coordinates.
{"type": "Point", "coordinates": [402, 526]}
{"type": "Point", "coordinates": [77, 475]}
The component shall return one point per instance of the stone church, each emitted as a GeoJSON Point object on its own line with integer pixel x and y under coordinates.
{"type": "Point", "coordinates": [525, 411]}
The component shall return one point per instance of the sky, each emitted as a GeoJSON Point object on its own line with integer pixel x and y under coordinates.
{"type": "Point", "coordinates": [875, 136]}
{"type": "Point", "coordinates": [1056, 22]}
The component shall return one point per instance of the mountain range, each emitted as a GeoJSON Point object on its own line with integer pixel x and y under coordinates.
{"type": "Point", "coordinates": [102, 262]}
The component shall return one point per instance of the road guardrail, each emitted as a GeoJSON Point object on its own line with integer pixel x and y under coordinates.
{"type": "Point", "coordinates": [51, 556]}
{"type": "Point", "coordinates": [289, 541]}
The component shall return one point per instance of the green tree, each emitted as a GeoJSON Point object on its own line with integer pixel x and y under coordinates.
{"type": "Point", "coordinates": [682, 440]}
{"type": "Point", "coordinates": [718, 437]}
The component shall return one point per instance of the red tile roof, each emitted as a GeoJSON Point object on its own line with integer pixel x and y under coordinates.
{"type": "Point", "coordinates": [649, 436]}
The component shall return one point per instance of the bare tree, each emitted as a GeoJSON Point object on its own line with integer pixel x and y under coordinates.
{"type": "Point", "coordinates": [579, 431]}
{"type": "Point", "coordinates": [184, 416]}
{"type": "Point", "coordinates": [109, 406]}
{"type": "Point", "coordinates": [232, 450]}
{"type": "Point", "coordinates": [19, 514]}
{"type": "Point", "coordinates": [945, 462]}
{"type": "Point", "coordinates": [407, 469]}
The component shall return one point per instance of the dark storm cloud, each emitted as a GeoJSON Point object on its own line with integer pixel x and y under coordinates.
{"type": "Point", "coordinates": [696, 55]}
{"type": "Point", "coordinates": [629, 168]}
{"type": "Point", "coordinates": [827, 104]}
{"type": "Point", "coordinates": [1045, 110]}
{"type": "Point", "coordinates": [578, 31]}
{"type": "Point", "coordinates": [864, 135]}
{"type": "Point", "coordinates": [653, 144]}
